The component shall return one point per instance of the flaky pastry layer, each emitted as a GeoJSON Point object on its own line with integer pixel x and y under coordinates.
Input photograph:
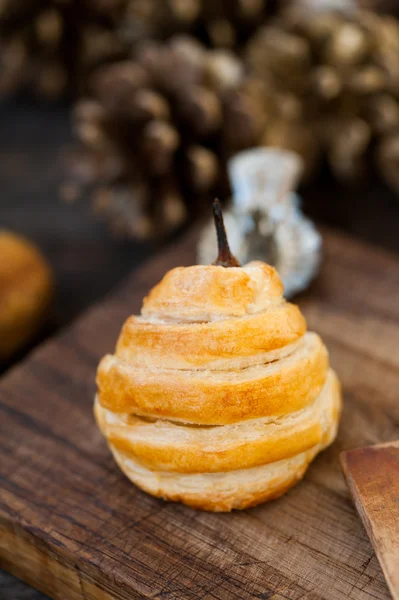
{"type": "Point", "coordinates": [166, 446]}
{"type": "Point", "coordinates": [223, 492]}
{"type": "Point", "coordinates": [216, 397]}
{"type": "Point", "coordinates": [206, 293]}
{"type": "Point", "coordinates": [230, 343]}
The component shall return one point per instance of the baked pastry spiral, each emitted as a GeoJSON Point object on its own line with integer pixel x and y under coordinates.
{"type": "Point", "coordinates": [216, 395]}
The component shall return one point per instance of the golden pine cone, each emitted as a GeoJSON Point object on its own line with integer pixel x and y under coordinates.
{"type": "Point", "coordinates": [333, 84]}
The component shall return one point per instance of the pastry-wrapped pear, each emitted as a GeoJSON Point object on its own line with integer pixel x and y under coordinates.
{"type": "Point", "coordinates": [26, 289]}
{"type": "Point", "coordinates": [216, 395]}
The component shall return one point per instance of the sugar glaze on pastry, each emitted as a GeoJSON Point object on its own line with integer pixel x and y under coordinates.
{"type": "Point", "coordinates": [216, 395]}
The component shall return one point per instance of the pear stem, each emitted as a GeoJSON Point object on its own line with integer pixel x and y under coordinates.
{"type": "Point", "coordinates": [225, 257]}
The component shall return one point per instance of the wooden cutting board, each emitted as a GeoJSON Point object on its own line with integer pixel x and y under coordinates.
{"type": "Point", "coordinates": [73, 526]}
{"type": "Point", "coordinates": [373, 478]}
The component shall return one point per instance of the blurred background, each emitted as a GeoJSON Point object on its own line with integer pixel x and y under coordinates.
{"type": "Point", "coordinates": [118, 119]}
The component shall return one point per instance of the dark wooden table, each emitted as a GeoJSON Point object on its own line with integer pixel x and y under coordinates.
{"type": "Point", "coordinates": [87, 261]}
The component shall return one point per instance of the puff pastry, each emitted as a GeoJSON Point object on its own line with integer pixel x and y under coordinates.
{"type": "Point", "coordinates": [216, 395]}
{"type": "Point", "coordinates": [26, 290]}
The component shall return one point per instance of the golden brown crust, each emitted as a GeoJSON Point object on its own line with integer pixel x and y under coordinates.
{"type": "Point", "coordinates": [165, 446]}
{"type": "Point", "coordinates": [210, 499]}
{"type": "Point", "coordinates": [223, 492]}
{"type": "Point", "coordinates": [216, 397]}
{"type": "Point", "coordinates": [215, 344]}
{"type": "Point", "coordinates": [206, 292]}
{"type": "Point", "coordinates": [192, 460]}
{"type": "Point", "coordinates": [25, 291]}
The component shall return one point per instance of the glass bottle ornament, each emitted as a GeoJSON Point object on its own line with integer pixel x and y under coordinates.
{"type": "Point", "coordinates": [265, 221]}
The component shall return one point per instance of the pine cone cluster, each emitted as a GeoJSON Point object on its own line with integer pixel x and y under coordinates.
{"type": "Point", "coordinates": [331, 87]}
{"type": "Point", "coordinates": [217, 23]}
{"type": "Point", "coordinates": [156, 132]}
{"type": "Point", "coordinates": [49, 46]}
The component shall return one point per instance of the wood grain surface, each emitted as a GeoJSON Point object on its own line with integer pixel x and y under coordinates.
{"type": "Point", "coordinates": [74, 527]}
{"type": "Point", "coordinates": [373, 478]}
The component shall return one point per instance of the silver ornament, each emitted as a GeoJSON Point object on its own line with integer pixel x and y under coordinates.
{"type": "Point", "coordinates": [264, 221]}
